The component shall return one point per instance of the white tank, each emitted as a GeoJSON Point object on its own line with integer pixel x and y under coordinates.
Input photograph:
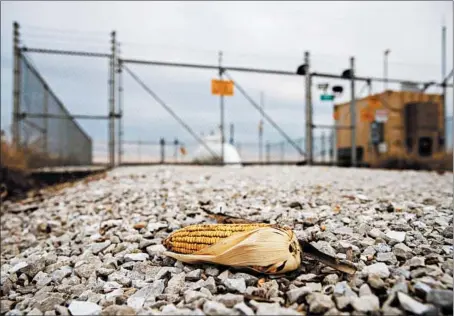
{"type": "Point", "coordinates": [231, 155]}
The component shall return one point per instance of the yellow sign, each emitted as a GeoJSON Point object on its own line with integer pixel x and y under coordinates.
{"type": "Point", "coordinates": [222, 87]}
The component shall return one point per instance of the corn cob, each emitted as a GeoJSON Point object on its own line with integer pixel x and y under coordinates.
{"type": "Point", "coordinates": [262, 247]}
{"type": "Point", "coordinates": [193, 238]}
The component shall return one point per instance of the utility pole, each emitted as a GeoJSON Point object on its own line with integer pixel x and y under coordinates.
{"type": "Point", "coordinates": [261, 129]}
{"type": "Point", "coordinates": [308, 110]}
{"type": "Point", "coordinates": [385, 68]}
{"type": "Point", "coordinates": [353, 111]}
{"type": "Point", "coordinates": [221, 71]}
{"type": "Point", "coordinates": [443, 76]}
{"type": "Point", "coordinates": [231, 133]}
{"type": "Point", "coordinates": [16, 88]}
{"type": "Point", "coordinates": [112, 102]}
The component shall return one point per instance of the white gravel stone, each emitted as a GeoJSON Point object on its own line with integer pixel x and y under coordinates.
{"type": "Point", "coordinates": [136, 257]}
{"type": "Point", "coordinates": [84, 308]}
{"type": "Point", "coordinates": [396, 236]}
{"type": "Point", "coordinates": [411, 305]}
{"type": "Point", "coordinates": [379, 269]}
{"type": "Point", "coordinates": [238, 285]}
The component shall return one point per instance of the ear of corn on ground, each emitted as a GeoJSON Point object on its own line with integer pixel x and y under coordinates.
{"type": "Point", "coordinates": [261, 247]}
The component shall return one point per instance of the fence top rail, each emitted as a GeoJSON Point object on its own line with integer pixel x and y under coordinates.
{"type": "Point", "coordinates": [272, 71]}
{"type": "Point", "coordinates": [52, 94]}
{"type": "Point", "coordinates": [224, 68]}
{"type": "Point", "coordinates": [64, 52]}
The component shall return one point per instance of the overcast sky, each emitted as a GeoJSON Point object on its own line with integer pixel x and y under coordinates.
{"type": "Point", "coordinates": [257, 34]}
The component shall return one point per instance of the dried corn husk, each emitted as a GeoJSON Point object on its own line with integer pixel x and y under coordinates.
{"type": "Point", "coordinates": [264, 248]}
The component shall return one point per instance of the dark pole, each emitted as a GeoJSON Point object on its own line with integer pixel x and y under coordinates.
{"type": "Point", "coordinates": [120, 111]}
{"type": "Point", "coordinates": [323, 146]}
{"type": "Point", "coordinates": [16, 88]}
{"type": "Point", "coordinates": [443, 76]}
{"type": "Point", "coordinates": [162, 142]}
{"type": "Point", "coordinates": [309, 153]}
{"type": "Point", "coordinates": [221, 71]}
{"type": "Point", "coordinates": [112, 102]}
{"type": "Point", "coordinates": [353, 112]}
{"type": "Point", "coordinates": [176, 149]}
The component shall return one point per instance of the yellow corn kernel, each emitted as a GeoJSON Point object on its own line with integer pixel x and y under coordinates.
{"type": "Point", "coordinates": [196, 237]}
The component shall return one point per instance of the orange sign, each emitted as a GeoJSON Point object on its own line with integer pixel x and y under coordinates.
{"type": "Point", "coordinates": [183, 150]}
{"type": "Point", "coordinates": [374, 103]}
{"type": "Point", "coordinates": [222, 87]}
{"type": "Point", "coordinates": [366, 115]}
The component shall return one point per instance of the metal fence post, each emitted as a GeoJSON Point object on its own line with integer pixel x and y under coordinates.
{"type": "Point", "coordinates": [46, 119]}
{"type": "Point", "coordinates": [163, 144]}
{"type": "Point", "coordinates": [16, 88]}
{"type": "Point", "coordinates": [175, 142]}
{"type": "Point", "coordinates": [309, 153]}
{"type": "Point", "coordinates": [112, 102]}
{"type": "Point", "coordinates": [120, 109]}
{"type": "Point", "coordinates": [268, 149]}
{"type": "Point", "coordinates": [353, 111]}
{"type": "Point", "coordinates": [331, 146]}
{"type": "Point", "coordinates": [323, 153]}
{"type": "Point", "coordinates": [221, 71]}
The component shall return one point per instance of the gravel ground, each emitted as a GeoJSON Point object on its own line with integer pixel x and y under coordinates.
{"type": "Point", "coordinates": [94, 248]}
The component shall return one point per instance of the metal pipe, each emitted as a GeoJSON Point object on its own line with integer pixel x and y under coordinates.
{"type": "Point", "coordinates": [257, 107]}
{"type": "Point", "coordinates": [120, 112]}
{"type": "Point", "coordinates": [16, 87]}
{"type": "Point", "coordinates": [443, 75]}
{"type": "Point", "coordinates": [323, 146]}
{"type": "Point", "coordinates": [162, 142]}
{"type": "Point", "coordinates": [46, 121]}
{"type": "Point", "coordinates": [261, 129]}
{"type": "Point", "coordinates": [268, 149]}
{"type": "Point", "coordinates": [353, 112]}
{"type": "Point", "coordinates": [222, 110]}
{"type": "Point", "coordinates": [331, 126]}
{"type": "Point", "coordinates": [65, 52]}
{"type": "Point", "coordinates": [308, 106]}
{"type": "Point", "coordinates": [112, 101]}
{"type": "Point", "coordinates": [66, 117]}
{"type": "Point", "coordinates": [201, 66]}
{"type": "Point", "coordinates": [385, 68]}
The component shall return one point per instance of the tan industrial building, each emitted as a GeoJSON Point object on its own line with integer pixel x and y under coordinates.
{"type": "Point", "coordinates": [398, 127]}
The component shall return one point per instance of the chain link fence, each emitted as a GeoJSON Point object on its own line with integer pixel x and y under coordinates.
{"type": "Point", "coordinates": [48, 135]}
